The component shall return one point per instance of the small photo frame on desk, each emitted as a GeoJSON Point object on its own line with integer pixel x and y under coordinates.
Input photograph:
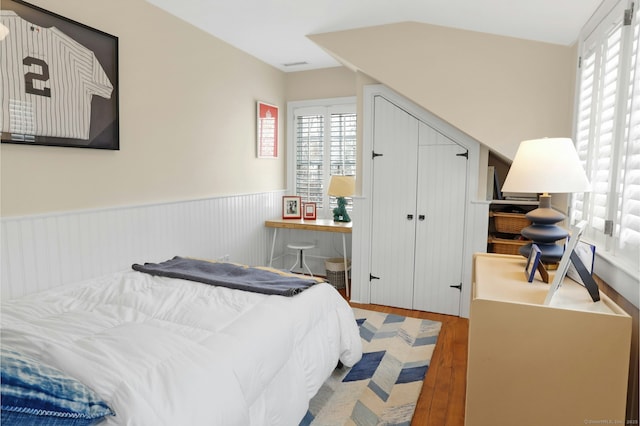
{"type": "Point", "coordinates": [533, 262]}
{"type": "Point", "coordinates": [587, 253]}
{"type": "Point", "coordinates": [571, 257]}
{"type": "Point", "coordinates": [581, 268]}
{"type": "Point", "coordinates": [309, 211]}
{"type": "Point", "coordinates": [291, 207]}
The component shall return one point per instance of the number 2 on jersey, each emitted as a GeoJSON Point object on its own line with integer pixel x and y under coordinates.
{"type": "Point", "coordinates": [30, 77]}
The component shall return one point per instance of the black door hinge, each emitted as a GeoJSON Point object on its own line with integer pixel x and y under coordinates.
{"type": "Point", "coordinates": [459, 286]}
{"type": "Point", "coordinates": [628, 15]}
{"type": "Point", "coordinates": [373, 277]}
{"type": "Point", "coordinates": [375, 154]}
{"type": "Point", "coordinates": [463, 154]}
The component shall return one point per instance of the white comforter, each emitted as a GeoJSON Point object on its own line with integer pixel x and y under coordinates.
{"type": "Point", "coordinates": [162, 351]}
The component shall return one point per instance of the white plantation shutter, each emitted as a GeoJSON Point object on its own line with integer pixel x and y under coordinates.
{"type": "Point", "coordinates": [343, 148]}
{"type": "Point", "coordinates": [343, 144]}
{"type": "Point", "coordinates": [628, 232]}
{"type": "Point", "coordinates": [310, 157]}
{"type": "Point", "coordinates": [583, 130]}
{"type": "Point", "coordinates": [607, 134]}
{"type": "Point", "coordinates": [599, 168]}
{"type": "Point", "coordinates": [325, 145]}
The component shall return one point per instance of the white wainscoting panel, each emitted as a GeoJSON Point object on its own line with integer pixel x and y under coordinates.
{"type": "Point", "coordinates": [44, 251]}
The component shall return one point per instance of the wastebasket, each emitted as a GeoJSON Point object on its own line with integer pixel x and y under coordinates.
{"type": "Point", "coordinates": [335, 271]}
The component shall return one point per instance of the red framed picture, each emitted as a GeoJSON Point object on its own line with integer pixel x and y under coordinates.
{"type": "Point", "coordinates": [309, 211]}
{"type": "Point", "coordinates": [291, 207]}
{"type": "Point", "coordinates": [267, 128]}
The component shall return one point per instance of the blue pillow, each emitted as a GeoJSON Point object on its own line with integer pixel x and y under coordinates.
{"type": "Point", "coordinates": [35, 393]}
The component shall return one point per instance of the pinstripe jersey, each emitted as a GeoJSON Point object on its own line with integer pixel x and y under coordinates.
{"type": "Point", "coordinates": [47, 81]}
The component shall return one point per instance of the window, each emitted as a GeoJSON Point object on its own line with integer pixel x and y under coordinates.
{"type": "Point", "coordinates": [607, 132]}
{"type": "Point", "coordinates": [321, 143]}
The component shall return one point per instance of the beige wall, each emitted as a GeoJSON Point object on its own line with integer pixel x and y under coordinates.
{"type": "Point", "coordinates": [187, 105]}
{"type": "Point", "coordinates": [187, 121]}
{"type": "Point", "coordinates": [499, 90]}
{"type": "Point", "coordinates": [323, 83]}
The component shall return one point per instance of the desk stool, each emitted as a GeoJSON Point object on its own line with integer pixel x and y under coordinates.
{"type": "Point", "coordinates": [301, 247]}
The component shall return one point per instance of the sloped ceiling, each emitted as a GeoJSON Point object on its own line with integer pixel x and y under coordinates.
{"type": "Point", "coordinates": [276, 31]}
{"type": "Point", "coordinates": [499, 90]}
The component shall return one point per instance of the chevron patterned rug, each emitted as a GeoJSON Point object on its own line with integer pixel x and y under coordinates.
{"type": "Point", "coordinates": [383, 388]}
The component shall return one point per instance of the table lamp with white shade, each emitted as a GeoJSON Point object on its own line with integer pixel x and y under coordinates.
{"type": "Point", "coordinates": [544, 166]}
{"type": "Point", "coordinates": [341, 186]}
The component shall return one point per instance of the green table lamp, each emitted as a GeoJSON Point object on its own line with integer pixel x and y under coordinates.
{"type": "Point", "coordinates": [341, 186]}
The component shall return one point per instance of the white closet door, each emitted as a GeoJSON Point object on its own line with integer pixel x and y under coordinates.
{"type": "Point", "coordinates": [442, 179]}
{"type": "Point", "coordinates": [393, 205]}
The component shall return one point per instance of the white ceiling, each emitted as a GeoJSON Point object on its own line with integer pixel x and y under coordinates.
{"type": "Point", "coordinates": [275, 30]}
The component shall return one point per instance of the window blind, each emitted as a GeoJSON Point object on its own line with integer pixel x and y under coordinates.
{"type": "Point", "coordinates": [310, 158]}
{"type": "Point", "coordinates": [629, 203]}
{"type": "Point", "coordinates": [325, 145]}
{"type": "Point", "coordinates": [343, 148]}
{"type": "Point", "coordinates": [601, 168]}
{"type": "Point", "coordinates": [583, 130]}
{"type": "Point", "coordinates": [607, 134]}
{"type": "Point", "coordinates": [343, 144]}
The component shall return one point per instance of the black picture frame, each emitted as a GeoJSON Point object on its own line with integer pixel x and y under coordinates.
{"type": "Point", "coordinates": [102, 129]}
{"type": "Point", "coordinates": [586, 279]}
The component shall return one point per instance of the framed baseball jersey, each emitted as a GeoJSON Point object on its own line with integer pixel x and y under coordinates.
{"type": "Point", "coordinates": [59, 80]}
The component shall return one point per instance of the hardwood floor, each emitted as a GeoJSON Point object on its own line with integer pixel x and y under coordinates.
{"type": "Point", "coordinates": [442, 399]}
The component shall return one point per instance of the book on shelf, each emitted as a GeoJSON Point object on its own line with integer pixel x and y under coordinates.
{"type": "Point", "coordinates": [493, 185]}
{"type": "Point", "coordinates": [520, 197]}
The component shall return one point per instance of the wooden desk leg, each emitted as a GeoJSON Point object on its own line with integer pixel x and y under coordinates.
{"type": "Point", "coordinates": [346, 267]}
{"type": "Point", "coordinates": [273, 246]}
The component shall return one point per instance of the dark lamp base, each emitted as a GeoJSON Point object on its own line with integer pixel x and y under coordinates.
{"type": "Point", "coordinates": [550, 253]}
{"type": "Point", "coordinates": [544, 232]}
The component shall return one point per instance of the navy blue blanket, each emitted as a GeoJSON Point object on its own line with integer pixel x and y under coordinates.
{"type": "Point", "coordinates": [239, 277]}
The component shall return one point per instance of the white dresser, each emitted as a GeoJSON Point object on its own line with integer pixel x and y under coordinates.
{"type": "Point", "coordinates": [533, 364]}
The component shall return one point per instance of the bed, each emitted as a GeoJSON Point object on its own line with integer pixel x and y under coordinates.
{"type": "Point", "coordinates": [154, 350]}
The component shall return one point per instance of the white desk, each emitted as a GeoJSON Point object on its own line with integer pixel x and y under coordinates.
{"type": "Point", "coordinates": [323, 225]}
